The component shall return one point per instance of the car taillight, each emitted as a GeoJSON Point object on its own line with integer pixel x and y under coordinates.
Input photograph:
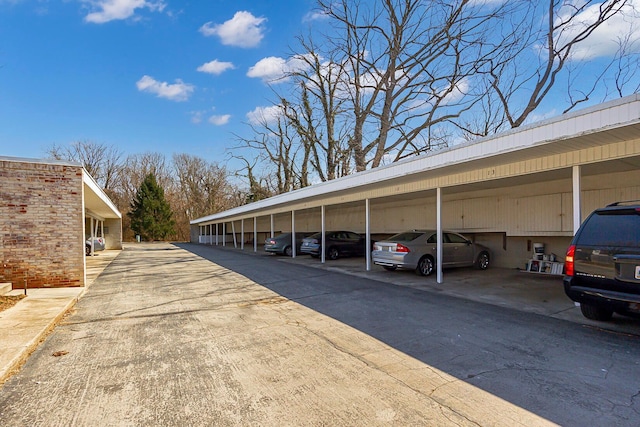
{"type": "Point", "coordinates": [271, 242]}
{"type": "Point", "coordinates": [377, 247]}
{"type": "Point", "coordinates": [402, 248]}
{"type": "Point", "coordinates": [568, 261]}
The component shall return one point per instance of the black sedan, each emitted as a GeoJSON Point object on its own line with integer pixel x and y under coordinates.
{"type": "Point", "coordinates": [337, 244]}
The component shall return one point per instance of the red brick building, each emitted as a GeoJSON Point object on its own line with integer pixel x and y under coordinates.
{"type": "Point", "coordinates": [47, 211]}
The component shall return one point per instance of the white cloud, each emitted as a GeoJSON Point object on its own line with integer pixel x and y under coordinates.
{"type": "Point", "coordinates": [110, 10]}
{"type": "Point", "coordinates": [604, 40]}
{"type": "Point", "coordinates": [274, 69]}
{"type": "Point", "coordinates": [264, 114]}
{"type": "Point", "coordinates": [178, 91]}
{"type": "Point", "coordinates": [215, 67]}
{"type": "Point", "coordinates": [220, 120]}
{"type": "Point", "coordinates": [460, 90]}
{"type": "Point", "coordinates": [243, 30]}
{"type": "Point", "coordinates": [315, 15]}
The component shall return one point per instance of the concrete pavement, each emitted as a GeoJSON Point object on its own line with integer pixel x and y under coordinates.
{"type": "Point", "coordinates": [24, 326]}
{"type": "Point", "coordinates": [166, 337]}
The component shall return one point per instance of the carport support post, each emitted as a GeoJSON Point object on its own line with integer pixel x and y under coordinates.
{"type": "Point", "coordinates": [255, 234]}
{"type": "Point", "coordinates": [439, 233]}
{"type": "Point", "coordinates": [577, 213]}
{"type": "Point", "coordinates": [216, 234]}
{"type": "Point", "coordinates": [224, 234]}
{"type": "Point", "coordinates": [367, 226]}
{"type": "Point", "coordinates": [323, 231]}
{"type": "Point", "coordinates": [233, 231]}
{"type": "Point", "coordinates": [293, 234]}
{"type": "Point", "coordinates": [242, 234]}
{"type": "Point", "coordinates": [272, 226]}
{"type": "Point", "coordinates": [92, 236]}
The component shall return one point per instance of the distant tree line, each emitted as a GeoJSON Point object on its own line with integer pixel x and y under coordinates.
{"type": "Point", "coordinates": [192, 186]}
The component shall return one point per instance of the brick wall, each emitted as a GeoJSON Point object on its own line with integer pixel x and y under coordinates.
{"type": "Point", "coordinates": [41, 224]}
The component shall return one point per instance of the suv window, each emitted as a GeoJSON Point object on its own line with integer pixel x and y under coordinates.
{"type": "Point", "coordinates": [612, 228]}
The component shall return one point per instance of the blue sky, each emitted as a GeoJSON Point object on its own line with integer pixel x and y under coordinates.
{"type": "Point", "coordinates": [162, 76]}
{"type": "Point", "coordinates": [141, 75]}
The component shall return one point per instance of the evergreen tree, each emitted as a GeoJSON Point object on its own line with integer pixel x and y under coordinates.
{"type": "Point", "coordinates": [151, 215]}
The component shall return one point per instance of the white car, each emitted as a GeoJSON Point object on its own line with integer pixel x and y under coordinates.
{"type": "Point", "coordinates": [416, 250]}
{"type": "Point", "coordinates": [98, 245]}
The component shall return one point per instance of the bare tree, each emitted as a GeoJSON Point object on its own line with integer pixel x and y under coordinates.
{"type": "Point", "coordinates": [260, 187]}
{"type": "Point", "coordinates": [102, 162]}
{"type": "Point", "coordinates": [523, 76]}
{"type": "Point", "coordinates": [410, 67]}
{"type": "Point", "coordinates": [203, 187]}
{"type": "Point", "coordinates": [279, 146]}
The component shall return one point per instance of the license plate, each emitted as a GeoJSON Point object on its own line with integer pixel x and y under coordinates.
{"type": "Point", "coordinates": [638, 272]}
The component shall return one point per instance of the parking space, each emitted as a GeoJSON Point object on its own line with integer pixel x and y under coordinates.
{"type": "Point", "coordinates": [512, 288]}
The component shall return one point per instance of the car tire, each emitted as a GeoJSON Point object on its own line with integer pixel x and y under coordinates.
{"type": "Point", "coordinates": [333, 253]}
{"type": "Point", "coordinates": [595, 312]}
{"type": "Point", "coordinates": [389, 267]}
{"type": "Point", "coordinates": [87, 250]}
{"type": "Point", "coordinates": [482, 263]}
{"type": "Point", "coordinates": [425, 266]}
{"type": "Point", "coordinates": [288, 251]}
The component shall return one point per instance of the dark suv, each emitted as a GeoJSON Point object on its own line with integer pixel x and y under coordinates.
{"type": "Point", "coordinates": [602, 267]}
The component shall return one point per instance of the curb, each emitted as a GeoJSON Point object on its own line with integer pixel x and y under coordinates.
{"type": "Point", "coordinates": [16, 363]}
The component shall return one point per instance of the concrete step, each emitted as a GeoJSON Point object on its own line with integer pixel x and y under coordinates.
{"type": "Point", "coordinates": [5, 288]}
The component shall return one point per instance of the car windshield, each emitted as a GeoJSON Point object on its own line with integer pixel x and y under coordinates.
{"type": "Point", "coordinates": [316, 236]}
{"type": "Point", "coordinates": [407, 236]}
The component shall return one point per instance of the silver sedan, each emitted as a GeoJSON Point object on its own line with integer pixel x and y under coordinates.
{"type": "Point", "coordinates": [416, 250]}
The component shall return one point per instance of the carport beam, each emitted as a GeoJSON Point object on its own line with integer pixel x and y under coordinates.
{"type": "Point", "coordinates": [577, 213]}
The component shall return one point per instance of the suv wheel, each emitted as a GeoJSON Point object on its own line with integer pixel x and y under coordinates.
{"type": "Point", "coordinates": [595, 312]}
{"type": "Point", "coordinates": [288, 251]}
{"type": "Point", "coordinates": [483, 261]}
{"type": "Point", "coordinates": [425, 266]}
{"type": "Point", "coordinates": [333, 253]}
